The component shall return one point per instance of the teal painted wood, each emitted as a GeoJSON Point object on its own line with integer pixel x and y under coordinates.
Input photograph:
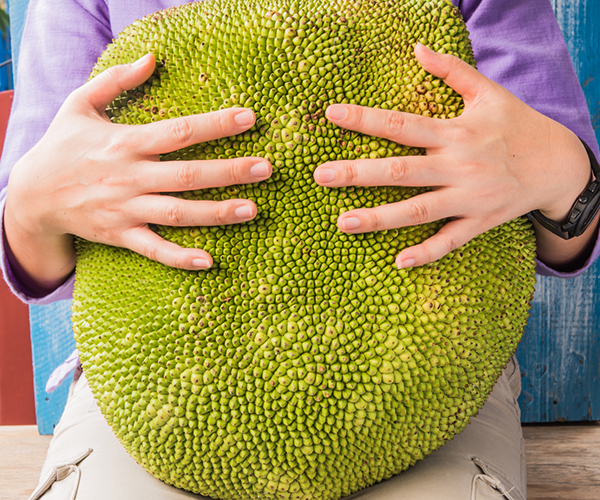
{"type": "Point", "coordinates": [580, 24]}
{"type": "Point", "coordinates": [6, 79]}
{"type": "Point", "coordinates": [18, 12]}
{"type": "Point", "coordinates": [560, 352]}
{"type": "Point", "coordinates": [52, 342]}
{"type": "Point", "coordinates": [51, 335]}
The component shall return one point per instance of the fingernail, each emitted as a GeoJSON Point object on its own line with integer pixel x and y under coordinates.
{"type": "Point", "coordinates": [403, 264]}
{"type": "Point", "coordinates": [243, 212]}
{"type": "Point", "coordinates": [140, 61]}
{"type": "Point", "coordinates": [200, 264]}
{"type": "Point", "coordinates": [325, 175]}
{"type": "Point", "coordinates": [244, 118]}
{"type": "Point", "coordinates": [260, 169]}
{"type": "Point", "coordinates": [350, 223]}
{"type": "Point", "coordinates": [336, 112]}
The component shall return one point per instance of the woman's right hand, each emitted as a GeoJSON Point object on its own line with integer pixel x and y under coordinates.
{"type": "Point", "coordinates": [102, 181]}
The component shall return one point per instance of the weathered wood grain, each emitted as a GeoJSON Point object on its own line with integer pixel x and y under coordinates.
{"type": "Point", "coordinates": [563, 462]}
{"type": "Point", "coordinates": [22, 453]}
{"type": "Point", "coordinates": [560, 352]}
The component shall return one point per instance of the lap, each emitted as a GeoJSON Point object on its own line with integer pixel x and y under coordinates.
{"type": "Point", "coordinates": [486, 461]}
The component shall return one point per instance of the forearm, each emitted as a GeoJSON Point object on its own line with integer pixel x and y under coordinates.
{"type": "Point", "coordinates": [19, 281]}
{"type": "Point", "coordinates": [565, 255]}
{"type": "Point", "coordinates": [554, 251]}
{"type": "Point", "coordinates": [535, 66]}
{"type": "Point", "coordinates": [39, 264]}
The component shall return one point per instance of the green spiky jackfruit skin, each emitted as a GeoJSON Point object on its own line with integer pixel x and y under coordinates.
{"type": "Point", "coordinates": [304, 364]}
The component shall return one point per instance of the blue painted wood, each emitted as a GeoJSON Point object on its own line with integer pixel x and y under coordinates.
{"type": "Point", "coordinates": [560, 352]}
{"type": "Point", "coordinates": [18, 12]}
{"type": "Point", "coordinates": [580, 24]}
{"type": "Point", "coordinates": [51, 336]}
{"type": "Point", "coordinates": [52, 342]}
{"type": "Point", "coordinates": [6, 80]}
{"type": "Point", "coordinates": [51, 333]}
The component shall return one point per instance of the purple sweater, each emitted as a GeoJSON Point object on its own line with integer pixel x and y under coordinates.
{"type": "Point", "coordinates": [517, 43]}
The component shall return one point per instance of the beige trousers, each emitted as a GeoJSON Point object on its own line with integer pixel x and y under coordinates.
{"type": "Point", "coordinates": [486, 461]}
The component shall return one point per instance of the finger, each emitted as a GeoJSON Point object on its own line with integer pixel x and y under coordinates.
{"type": "Point", "coordinates": [404, 128]}
{"type": "Point", "coordinates": [420, 209]}
{"type": "Point", "coordinates": [172, 211]}
{"type": "Point", "coordinates": [175, 176]}
{"type": "Point", "coordinates": [101, 90]}
{"type": "Point", "coordinates": [451, 236]}
{"type": "Point", "coordinates": [165, 136]}
{"type": "Point", "coordinates": [456, 73]}
{"type": "Point", "coordinates": [396, 171]}
{"type": "Point", "coordinates": [149, 244]}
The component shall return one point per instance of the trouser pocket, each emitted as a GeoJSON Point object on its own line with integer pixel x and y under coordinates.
{"type": "Point", "coordinates": [491, 484]}
{"type": "Point", "coordinates": [67, 473]}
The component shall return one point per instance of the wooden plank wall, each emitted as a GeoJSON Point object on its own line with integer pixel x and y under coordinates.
{"type": "Point", "coordinates": [560, 353]}
{"type": "Point", "coordinates": [52, 342]}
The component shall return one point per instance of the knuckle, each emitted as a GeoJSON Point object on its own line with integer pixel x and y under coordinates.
{"type": "Point", "coordinates": [106, 234]}
{"type": "Point", "coordinates": [174, 214]}
{"type": "Point", "coordinates": [150, 250]}
{"type": "Point", "coordinates": [231, 171]}
{"type": "Point", "coordinates": [179, 261]}
{"type": "Point", "coordinates": [111, 74]}
{"type": "Point", "coordinates": [351, 172]}
{"type": "Point", "coordinates": [454, 62]}
{"type": "Point", "coordinates": [218, 217]}
{"type": "Point", "coordinates": [187, 176]}
{"type": "Point", "coordinates": [395, 123]}
{"type": "Point", "coordinates": [417, 213]}
{"type": "Point", "coordinates": [220, 124]}
{"type": "Point", "coordinates": [398, 170]}
{"type": "Point", "coordinates": [463, 133]}
{"type": "Point", "coordinates": [181, 131]}
{"type": "Point", "coordinates": [358, 117]}
{"type": "Point", "coordinates": [427, 256]}
{"type": "Point", "coordinates": [377, 223]}
{"type": "Point", "coordinates": [449, 243]}
{"type": "Point", "coordinates": [118, 145]}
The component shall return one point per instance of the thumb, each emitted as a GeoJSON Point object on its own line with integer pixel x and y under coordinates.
{"type": "Point", "coordinates": [104, 88]}
{"type": "Point", "coordinates": [456, 73]}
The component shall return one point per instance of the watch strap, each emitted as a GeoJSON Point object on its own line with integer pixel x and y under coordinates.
{"type": "Point", "coordinates": [583, 211]}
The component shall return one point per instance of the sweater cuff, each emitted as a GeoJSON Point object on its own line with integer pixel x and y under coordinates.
{"type": "Point", "coordinates": [27, 289]}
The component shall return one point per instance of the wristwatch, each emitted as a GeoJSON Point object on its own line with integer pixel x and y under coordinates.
{"type": "Point", "coordinates": [583, 210]}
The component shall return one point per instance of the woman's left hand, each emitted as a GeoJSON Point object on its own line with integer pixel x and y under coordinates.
{"type": "Point", "coordinates": [498, 160]}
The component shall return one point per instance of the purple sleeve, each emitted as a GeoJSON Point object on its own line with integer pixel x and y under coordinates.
{"type": "Point", "coordinates": [62, 40]}
{"type": "Point", "coordinates": [518, 44]}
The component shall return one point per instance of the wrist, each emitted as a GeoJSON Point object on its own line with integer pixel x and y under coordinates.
{"type": "Point", "coordinates": [583, 210]}
{"type": "Point", "coordinates": [39, 261]}
{"type": "Point", "coordinates": [577, 161]}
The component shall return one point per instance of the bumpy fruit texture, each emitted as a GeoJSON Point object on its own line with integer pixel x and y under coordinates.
{"type": "Point", "coordinates": [303, 365]}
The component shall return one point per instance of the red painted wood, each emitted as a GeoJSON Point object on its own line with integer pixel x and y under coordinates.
{"type": "Point", "coordinates": [6, 98]}
{"type": "Point", "coordinates": [17, 404]}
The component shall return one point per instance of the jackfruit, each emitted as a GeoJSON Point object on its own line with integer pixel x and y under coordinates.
{"type": "Point", "coordinates": [304, 364]}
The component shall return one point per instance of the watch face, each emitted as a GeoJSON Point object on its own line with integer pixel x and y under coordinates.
{"type": "Point", "coordinates": [588, 203]}
{"type": "Point", "coordinates": [591, 201]}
